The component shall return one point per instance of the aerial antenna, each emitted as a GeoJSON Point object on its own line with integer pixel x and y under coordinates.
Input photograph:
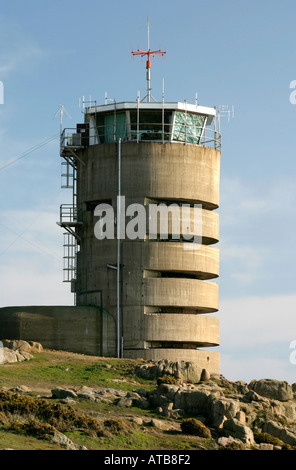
{"type": "Point", "coordinates": [61, 110]}
{"type": "Point", "coordinates": [149, 54]}
{"type": "Point", "coordinates": [224, 110]}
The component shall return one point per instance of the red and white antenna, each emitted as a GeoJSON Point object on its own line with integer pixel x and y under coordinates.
{"type": "Point", "coordinates": [149, 54]}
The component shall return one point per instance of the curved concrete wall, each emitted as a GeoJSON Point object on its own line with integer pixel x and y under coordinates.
{"type": "Point", "coordinates": [192, 293]}
{"type": "Point", "coordinates": [173, 257]}
{"type": "Point", "coordinates": [157, 276]}
{"type": "Point", "coordinates": [188, 173]}
{"type": "Point", "coordinates": [193, 329]}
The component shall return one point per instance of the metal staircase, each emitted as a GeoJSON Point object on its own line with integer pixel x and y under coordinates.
{"type": "Point", "coordinates": [70, 143]}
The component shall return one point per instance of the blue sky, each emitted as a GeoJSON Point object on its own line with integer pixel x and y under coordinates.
{"type": "Point", "coordinates": [231, 52]}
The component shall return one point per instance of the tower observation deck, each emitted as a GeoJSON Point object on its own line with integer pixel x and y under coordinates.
{"type": "Point", "coordinates": [155, 288]}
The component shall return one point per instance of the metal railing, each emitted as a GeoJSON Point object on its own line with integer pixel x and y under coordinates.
{"type": "Point", "coordinates": [68, 214]}
{"type": "Point", "coordinates": [158, 132]}
{"type": "Point", "coordinates": [69, 257]}
{"type": "Point", "coordinates": [141, 132]}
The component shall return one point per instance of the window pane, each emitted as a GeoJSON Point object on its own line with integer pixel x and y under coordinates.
{"type": "Point", "coordinates": [114, 129]}
{"type": "Point", "coordinates": [188, 127]}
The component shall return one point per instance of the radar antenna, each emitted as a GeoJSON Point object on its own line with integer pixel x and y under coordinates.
{"type": "Point", "coordinates": [149, 54]}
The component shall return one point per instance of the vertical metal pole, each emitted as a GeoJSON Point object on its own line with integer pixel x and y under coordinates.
{"type": "Point", "coordinates": [148, 73]}
{"type": "Point", "coordinates": [148, 76]}
{"type": "Point", "coordinates": [118, 247]}
{"type": "Point", "coordinates": [186, 121]}
{"type": "Point", "coordinates": [215, 131]}
{"type": "Point", "coordinates": [163, 110]}
{"type": "Point", "coordinates": [138, 118]}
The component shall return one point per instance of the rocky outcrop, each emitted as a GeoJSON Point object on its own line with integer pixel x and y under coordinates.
{"type": "Point", "coordinates": [184, 371]}
{"type": "Point", "coordinates": [234, 412]}
{"type": "Point", "coordinates": [64, 442]}
{"type": "Point", "coordinates": [273, 389]}
{"type": "Point", "coordinates": [260, 414]}
{"type": "Point", "coordinates": [18, 350]}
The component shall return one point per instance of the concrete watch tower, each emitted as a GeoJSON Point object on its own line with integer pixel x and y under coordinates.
{"type": "Point", "coordinates": [157, 295]}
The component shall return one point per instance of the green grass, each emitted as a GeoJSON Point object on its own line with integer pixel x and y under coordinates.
{"type": "Point", "coordinates": [57, 368]}
{"type": "Point", "coordinates": [140, 439]}
{"type": "Point", "coordinates": [52, 368]}
{"type": "Point", "coordinates": [19, 441]}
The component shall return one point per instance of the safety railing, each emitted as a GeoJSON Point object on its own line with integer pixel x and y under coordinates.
{"type": "Point", "coordinates": [68, 214]}
{"type": "Point", "coordinates": [141, 132]}
{"type": "Point", "coordinates": [198, 135]}
{"type": "Point", "coordinates": [69, 257]}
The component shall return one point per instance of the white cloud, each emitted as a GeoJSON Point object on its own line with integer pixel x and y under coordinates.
{"type": "Point", "coordinates": [256, 333]}
{"type": "Point", "coordinates": [257, 235]}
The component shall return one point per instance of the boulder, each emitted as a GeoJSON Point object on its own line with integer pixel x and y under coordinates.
{"type": "Point", "coordinates": [87, 395]}
{"type": "Point", "coordinates": [18, 350]}
{"type": "Point", "coordinates": [239, 431]}
{"type": "Point", "coordinates": [251, 395]}
{"type": "Point", "coordinates": [205, 375]}
{"type": "Point", "coordinates": [142, 392]}
{"type": "Point", "coordinates": [222, 409]}
{"type": "Point", "coordinates": [62, 392]}
{"type": "Point", "coordinates": [180, 370]}
{"type": "Point", "coordinates": [21, 389]}
{"type": "Point", "coordinates": [169, 390]}
{"type": "Point", "coordinates": [19, 345]}
{"type": "Point", "coordinates": [265, 446]}
{"type": "Point", "coordinates": [126, 402]}
{"type": "Point", "coordinates": [286, 409]}
{"type": "Point", "coordinates": [142, 403]}
{"type": "Point", "coordinates": [64, 442]}
{"type": "Point", "coordinates": [281, 432]}
{"type": "Point", "coordinates": [35, 347]}
{"type": "Point", "coordinates": [273, 389]}
{"type": "Point", "coordinates": [192, 401]}
{"type": "Point", "coordinates": [228, 441]}
{"type": "Point", "coordinates": [157, 423]}
{"type": "Point", "coordinates": [9, 356]}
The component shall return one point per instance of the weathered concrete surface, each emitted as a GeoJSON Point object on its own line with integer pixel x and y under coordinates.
{"type": "Point", "coordinates": [196, 329]}
{"type": "Point", "coordinates": [157, 276]}
{"type": "Point", "coordinates": [75, 329]}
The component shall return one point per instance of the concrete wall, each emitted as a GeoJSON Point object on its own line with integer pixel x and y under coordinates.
{"type": "Point", "coordinates": [75, 329]}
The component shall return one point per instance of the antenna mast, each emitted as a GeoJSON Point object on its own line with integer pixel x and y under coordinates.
{"type": "Point", "coordinates": [149, 54]}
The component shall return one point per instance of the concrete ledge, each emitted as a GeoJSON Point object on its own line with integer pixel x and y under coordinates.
{"type": "Point", "coordinates": [157, 171]}
{"type": "Point", "coordinates": [160, 256]}
{"type": "Point", "coordinates": [199, 329]}
{"type": "Point", "coordinates": [171, 292]}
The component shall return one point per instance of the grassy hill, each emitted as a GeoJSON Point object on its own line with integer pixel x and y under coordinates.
{"type": "Point", "coordinates": [29, 414]}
